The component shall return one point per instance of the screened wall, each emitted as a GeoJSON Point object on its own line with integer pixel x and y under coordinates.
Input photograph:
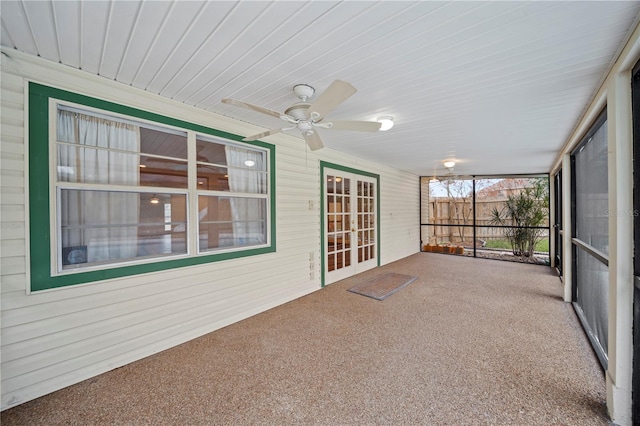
{"type": "Point", "coordinates": [495, 217]}
{"type": "Point", "coordinates": [590, 200]}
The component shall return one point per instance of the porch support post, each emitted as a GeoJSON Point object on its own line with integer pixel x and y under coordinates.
{"type": "Point", "coordinates": [621, 215]}
{"type": "Point", "coordinates": [567, 226]}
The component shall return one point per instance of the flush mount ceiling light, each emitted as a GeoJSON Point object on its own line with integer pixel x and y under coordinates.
{"type": "Point", "coordinates": [449, 164]}
{"type": "Point", "coordinates": [386, 123]}
{"type": "Point", "coordinates": [249, 163]}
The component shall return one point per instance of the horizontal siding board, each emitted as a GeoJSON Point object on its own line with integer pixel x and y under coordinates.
{"type": "Point", "coordinates": [12, 197]}
{"type": "Point", "coordinates": [11, 265]}
{"type": "Point", "coordinates": [11, 98]}
{"type": "Point", "coordinates": [12, 230]}
{"type": "Point", "coordinates": [12, 212]}
{"type": "Point", "coordinates": [13, 283]}
{"type": "Point", "coordinates": [15, 247]}
{"type": "Point", "coordinates": [12, 145]}
{"type": "Point", "coordinates": [13, 162]}
{"type": "Point", "coordinates": [13, 117]}
{"type": "Point", "coordinates": [12, 81]}
{"type": "Point", "coordinates": [10, 130]}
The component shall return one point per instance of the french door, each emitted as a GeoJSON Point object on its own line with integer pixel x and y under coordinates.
{"type": "Point", "coordinates": [350, 224]}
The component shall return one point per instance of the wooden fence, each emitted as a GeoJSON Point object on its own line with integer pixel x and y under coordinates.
{"type": "Point", "coordinates": [440, 211]}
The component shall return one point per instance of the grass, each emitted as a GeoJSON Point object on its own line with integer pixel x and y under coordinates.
{"type": "Point", "coordinates": [542, 245]}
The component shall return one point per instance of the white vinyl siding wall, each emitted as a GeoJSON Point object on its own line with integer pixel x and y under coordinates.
{"type": "Point", "coordinates": [55, 338]}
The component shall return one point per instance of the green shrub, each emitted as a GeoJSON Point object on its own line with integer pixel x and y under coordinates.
{"type": "Point", "coordinates": [522, 211]}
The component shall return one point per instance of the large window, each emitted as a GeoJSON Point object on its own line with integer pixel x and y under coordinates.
{"type": "Point", "coordinates": [131, 192]}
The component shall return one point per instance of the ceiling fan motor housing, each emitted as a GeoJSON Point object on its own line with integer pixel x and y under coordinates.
{"type": "Point", "coordinates": [298, 111]}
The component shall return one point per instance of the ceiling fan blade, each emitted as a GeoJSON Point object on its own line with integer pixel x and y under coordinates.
{"type": "Point", "coordinates": [313, 141]}
{"type": "Point", "coordinates": [356, 126]}
{"type": "Point", "coordinates": [262, 135]}
{"type": "Point", "coordinates": [338, 92]}
{"type": "Point", "coordinates": [251, 107]}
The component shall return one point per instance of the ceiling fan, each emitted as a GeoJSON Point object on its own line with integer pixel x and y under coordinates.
{"type": "Point", "coordinates": [308, 117]}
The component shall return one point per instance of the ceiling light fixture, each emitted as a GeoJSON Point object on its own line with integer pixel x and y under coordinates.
{"type": "Point", "coordinates": [249, 163]}
{"type": "Point", "coordinates": [154, 199]}
{"type": "Point", "coordinates": [449, 164]}
{"type": "Point", "coordinates": [386, 123]}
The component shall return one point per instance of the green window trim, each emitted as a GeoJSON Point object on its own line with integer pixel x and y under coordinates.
{"type": "Point", "coordinates": [327, 165]}
{"type": "Point", "coordinates": [40, 204]}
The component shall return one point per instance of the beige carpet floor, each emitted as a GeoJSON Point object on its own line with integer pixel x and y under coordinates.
{"type": "Point", "coordinates": [470, 342]}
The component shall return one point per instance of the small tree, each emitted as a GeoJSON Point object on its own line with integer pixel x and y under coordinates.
{"type": "Point", "coordinates": [521, 213]}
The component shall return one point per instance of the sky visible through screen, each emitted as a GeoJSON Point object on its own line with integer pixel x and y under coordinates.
{"type": "Point", "coordinates": [460, 188]}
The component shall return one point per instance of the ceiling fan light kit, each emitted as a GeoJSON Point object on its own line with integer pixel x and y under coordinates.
{"type": "Point", "coordinates": [386, 122]}
{"type": "Point", "coordinates": [308, 117]}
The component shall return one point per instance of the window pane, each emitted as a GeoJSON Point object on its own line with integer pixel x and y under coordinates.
{"type": "Point", "coordinates": [102, 150]}
{"type": "Point", "coordinates": [212, 178]}
{"type": "Point", "coordinates": [164, 172]}
{"type": "Point", "coordinates": [166, 165]}
{"type": "Point", "coordinates": [222, 154]}
{"type": "Point", "coordinates": [163, 143]}
{"type": "Point", "coordinates": [223, 167]}
{"type": "Point", "coordinates": [226, 222]}
{"type": "Point", "coordinates": [105, 227]}
{"type": "Point", "coordinates": [90, 165]}
{"type": "Point", "coordinates": [247, 181]}
{"type": "Point", "coordinates": [98, 132]}
{"type": "Point", "coordinates": [211, 152]}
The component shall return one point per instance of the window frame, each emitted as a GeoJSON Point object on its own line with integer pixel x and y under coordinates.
{"type": "Point", "coordinates": [43, 218]}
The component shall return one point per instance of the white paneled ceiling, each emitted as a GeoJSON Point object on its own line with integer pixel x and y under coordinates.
{"type": "Point", "coordinates": [498, 86]}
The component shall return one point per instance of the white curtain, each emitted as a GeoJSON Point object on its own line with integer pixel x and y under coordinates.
{"type": "Point", "coordinates": [248, 214]}
{"type": "Point", "coordinates": [104, 152]}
